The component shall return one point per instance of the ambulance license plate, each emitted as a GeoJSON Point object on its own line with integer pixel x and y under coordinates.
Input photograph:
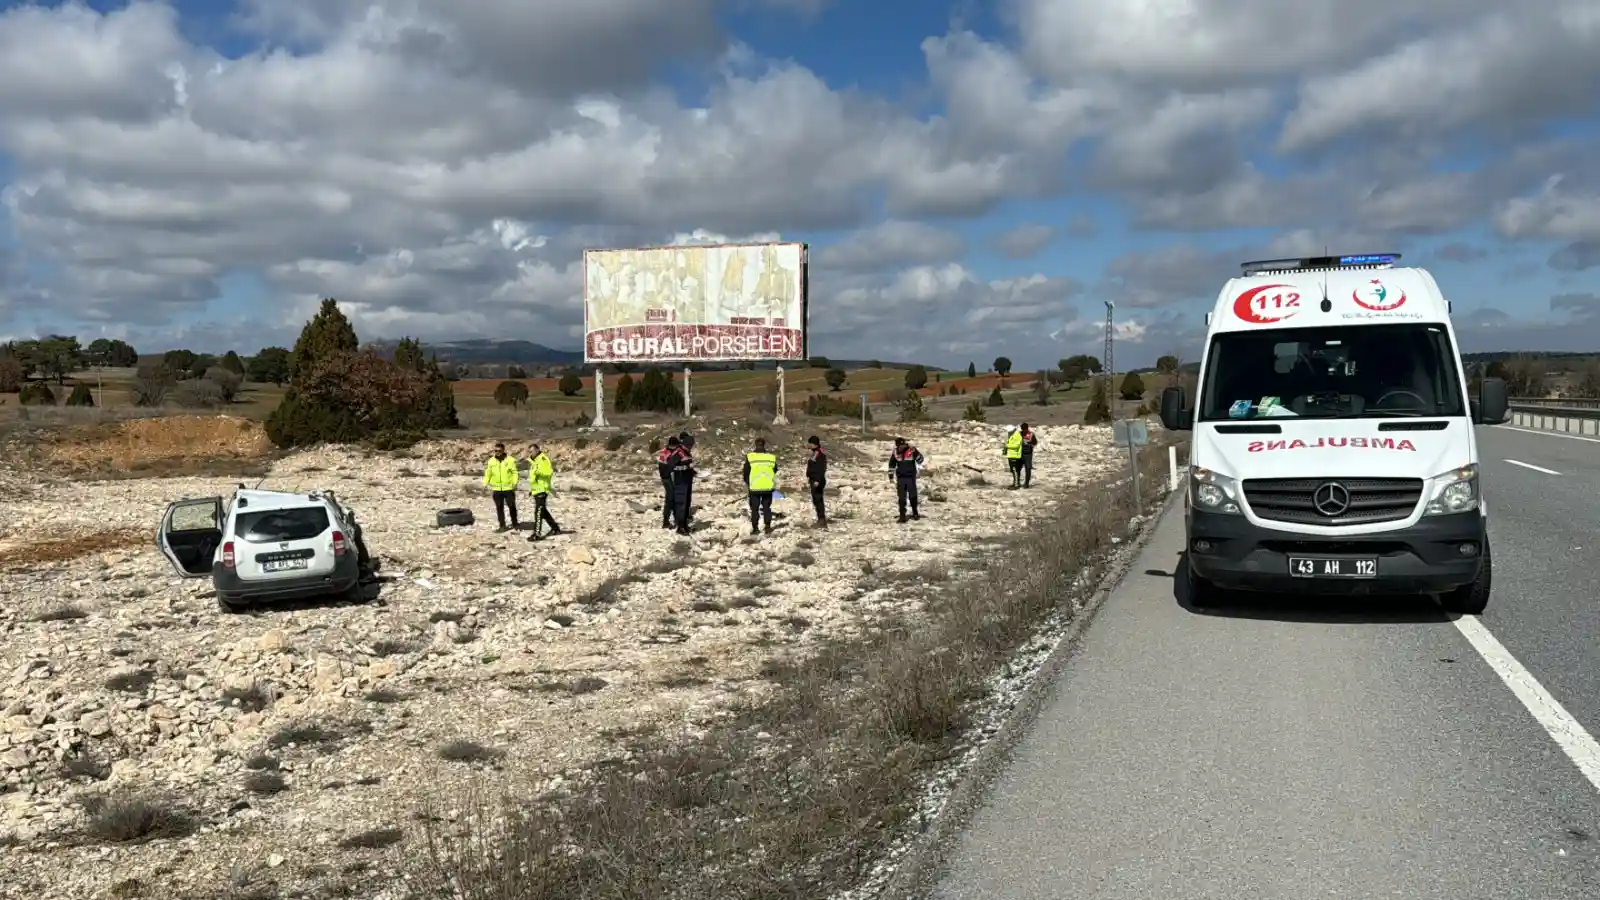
{"type": "Point", "coordinates": [1323, 567]}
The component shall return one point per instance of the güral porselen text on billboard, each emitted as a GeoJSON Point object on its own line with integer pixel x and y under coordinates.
{"type": "Point", "coordinates": [702, 303]}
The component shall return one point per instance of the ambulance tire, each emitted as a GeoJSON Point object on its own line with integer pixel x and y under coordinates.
{"type": "Point", "coordinates": [1202, 593]}
{"type": "Point", "coordinates": [1472, 599]}
{"type": "Point", "coordinates": [448, 518]}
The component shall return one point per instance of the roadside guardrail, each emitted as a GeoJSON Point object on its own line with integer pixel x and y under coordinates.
{"type": "Point", "coordinates": [1566, 415]}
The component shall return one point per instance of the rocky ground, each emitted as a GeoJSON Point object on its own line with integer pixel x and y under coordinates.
{"type": "Point", "coordinates": [297, 746]}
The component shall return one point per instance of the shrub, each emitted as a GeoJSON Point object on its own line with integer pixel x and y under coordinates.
{"type": "Point", "coordinates": [198, 394]}
{"type": "Point", "coordinates": [825, 405]}
{"type": "Point", "coordinates": [995, 398]}
{"type": "Point", "coordinates": [912, 409]}
{"type": "Point", "coordinates": [123, 819]}
{"type": "Point", "coordinates": [511, 393]}
{"type": "Point", "coordinates": [623, 402]}
{"type": "Point", "coordinates": [1002, 366]}
{"type": "Point", "coordinates": [916, 378]}
{"type": "Point", "coordinates": [875, 364]}
{"type": "Point", "coordinates": [1099, 410]}
{"type": "Point", "coordinates": [569, 386]}
{"type": "Point", "coordinates": [835, 379]}
{"type": "Point", "coordinates": [974, 412]}
{"type": "Point", "coordinates": [152, 384]}
{"type": "Point", "coordinates": [81, 395]}
{"type": "Point", "coordinates": [36, 393]}
{"type": "Point", "coordinates": [1132, 387]}
{"type": "Point", "coordinates": [227, 381]}
{"type": "Point", "coordinates": [10, 374]}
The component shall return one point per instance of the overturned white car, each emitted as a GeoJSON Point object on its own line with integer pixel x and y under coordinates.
{"type": "Point", "coordinates": [268, 545]}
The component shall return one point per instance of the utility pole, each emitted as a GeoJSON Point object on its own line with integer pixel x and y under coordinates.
{"type": "Point", "coordinates": [1108, 363]}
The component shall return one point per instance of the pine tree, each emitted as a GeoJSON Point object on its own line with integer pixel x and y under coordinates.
{"type": "Point", "coordinates": [327, 334]}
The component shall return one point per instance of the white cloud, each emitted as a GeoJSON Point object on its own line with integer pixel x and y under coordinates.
{"type": "Point", "coordinates": [440, 166]}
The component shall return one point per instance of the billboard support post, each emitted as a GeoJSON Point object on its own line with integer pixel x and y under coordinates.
{"type": "Point", "coordinates": [688, 404]}
{"type": "Point", "coordinates": [599, 397]}
{"type": "Point", "coordinates": [781, 407]}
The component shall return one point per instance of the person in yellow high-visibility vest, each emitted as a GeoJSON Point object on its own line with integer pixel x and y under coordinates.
{"type": "Point", "coordinates": [1014, 456]}
{"type": "Point", "coordinates": [500, 476]}
{"type": "Point", "coordinates": [541, 472]}
{"type": "Point", "coordinates": [761, 474]}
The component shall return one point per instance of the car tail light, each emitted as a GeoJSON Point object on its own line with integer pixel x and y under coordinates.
{"type": "Point", "coordinates": [339, 546]}
{"type": "Point", "coordinates": [228, 559]}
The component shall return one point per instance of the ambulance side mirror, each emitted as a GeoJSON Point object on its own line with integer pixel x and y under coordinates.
{"type": "Point", "coordinates": [1494, 402]}
{"type": "Point", "coordinates": [1174, 417]}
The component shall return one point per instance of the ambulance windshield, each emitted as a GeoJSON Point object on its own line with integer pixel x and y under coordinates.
{"type": "Point", "coordinates": [1350, 372]}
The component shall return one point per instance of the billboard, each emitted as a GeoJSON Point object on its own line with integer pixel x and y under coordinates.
{"type": "Point", "coordinates": [695, 303]}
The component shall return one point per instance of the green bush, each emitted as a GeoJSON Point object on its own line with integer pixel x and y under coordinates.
{"type": "Point", "coordinates": [36, 393]}
{"type": "Point", "coordinates": [826, 405]}
{"type": "Point", "coordinates": [1132, 387]}
{"type": "Point", "coordinates": [995, 397]}
{"type": "Point", "coordinates": [912, 408]}
{"type": "Point", "coordinates": [80, 396]}
{"type": "Point", "coordinates": [1099, 411]}
{"type": "Point", "coordinates": [511, 393]}
{"type": "Point", "coordinates": [974, 412]}
{"type": "Point", "coordinates": [569, 385]}
{"type": "Point", "coordinates": [916, 378]}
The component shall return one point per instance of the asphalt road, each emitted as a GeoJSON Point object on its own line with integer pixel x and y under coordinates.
{"type": "Point", "coordinates": [1289, 750]}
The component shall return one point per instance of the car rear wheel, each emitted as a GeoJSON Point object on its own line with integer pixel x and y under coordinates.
{"type": "Point", "coordinates": [229, 607]}
{"type": "Point", "coordinates": [1472, 599]}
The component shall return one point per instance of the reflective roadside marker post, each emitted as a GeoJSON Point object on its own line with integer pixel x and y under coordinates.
{"type": "Point", "coordinates": [599, 397]}
{"type": "Point", "coordinates": [688, 405]}
{"type": "Point", "coordinates": [1133, 434]}
{"type": "Point", "coordinates": [1172, 467]}
{"type": "Point", "coordinates": [863, 413]}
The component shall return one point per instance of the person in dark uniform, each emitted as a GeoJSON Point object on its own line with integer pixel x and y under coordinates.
{"type": "Point", "coordinates": [817, 477]}
{"type": "Point", "coordinates": [664, 469]}
{"type": "Point", "coordinates": [686, 441]}
{"type": "Point", "coordinates": [904, 461]}
{"type": "Point", "coordinates": [761, 476]}
{"type": "Point", "coordinates": [682, 486]}
{"type": "Point", "coordinates": [1029, 441]}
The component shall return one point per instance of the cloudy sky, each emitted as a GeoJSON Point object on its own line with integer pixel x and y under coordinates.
{"type": "Point", "coordinates": [974, 177]}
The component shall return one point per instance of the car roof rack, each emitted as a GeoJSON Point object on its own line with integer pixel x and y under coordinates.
{"type": "Point", "coordinates": [1304, 263]}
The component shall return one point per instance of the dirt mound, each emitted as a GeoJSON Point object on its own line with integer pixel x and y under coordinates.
{"type": "Point", "coordinates": [18, 554]}
{"type": "Point", "coordinates": [157, 446]}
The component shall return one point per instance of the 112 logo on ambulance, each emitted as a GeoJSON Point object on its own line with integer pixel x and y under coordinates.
{"type": "Point", "coordinates": [1267, 303]}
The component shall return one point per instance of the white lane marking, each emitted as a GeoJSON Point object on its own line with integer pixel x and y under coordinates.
{"type": "Point", "coordinates": [1570, 437]}
{"type": "Point", "coordinates": [1579, 745]}
{"type": "Point", "coordinates": [1515, 462]}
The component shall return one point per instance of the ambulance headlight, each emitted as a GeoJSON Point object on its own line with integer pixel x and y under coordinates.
{"type": "Point", "coordinates": [1455, 491]}
{"type": "Point", "coordinates": [1210, 492]}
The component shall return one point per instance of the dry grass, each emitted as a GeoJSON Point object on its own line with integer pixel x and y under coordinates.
{"type": "Point", "coordinates": [134, 818]}
{"type": "Point", "coordinates": [819, 778]}
{"type": "Point", "coordinates": [22, 555]}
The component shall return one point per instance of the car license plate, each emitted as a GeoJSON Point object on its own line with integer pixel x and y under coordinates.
{"type": "Point", "coordinates": [283, 565]}
{"type": "Point", "coordinates": [1322, 567]}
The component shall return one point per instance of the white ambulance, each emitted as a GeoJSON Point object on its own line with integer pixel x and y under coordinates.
{"type": "Point", "coordinates": [1333, 447]}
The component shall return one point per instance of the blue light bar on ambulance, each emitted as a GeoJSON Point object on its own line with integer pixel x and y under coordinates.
{"type": "Point", "coordinates": [1318, 262]}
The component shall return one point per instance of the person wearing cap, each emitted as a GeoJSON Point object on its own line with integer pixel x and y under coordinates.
{"type": "Point", "coordinates": [1030, 439]}
{"type": "Point", "coordinates": [1014, 456]}
{"type": "Point", "coordinates": [761, 475]}
{"type": "Point", "coordinates": [904, 461]}
{"type": "Point", "coordinates": [500, 476]}
{"type": "Point", "coordinates": [664, 469]}
{"type": "Point", "coordinates": [817, 478]}
{"type": "Point", "coordinates": [682, 468]}
{"type": "Point", "coordinates": [541, 473]}
{"type": "Point", "coordinates": [686, 444]}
